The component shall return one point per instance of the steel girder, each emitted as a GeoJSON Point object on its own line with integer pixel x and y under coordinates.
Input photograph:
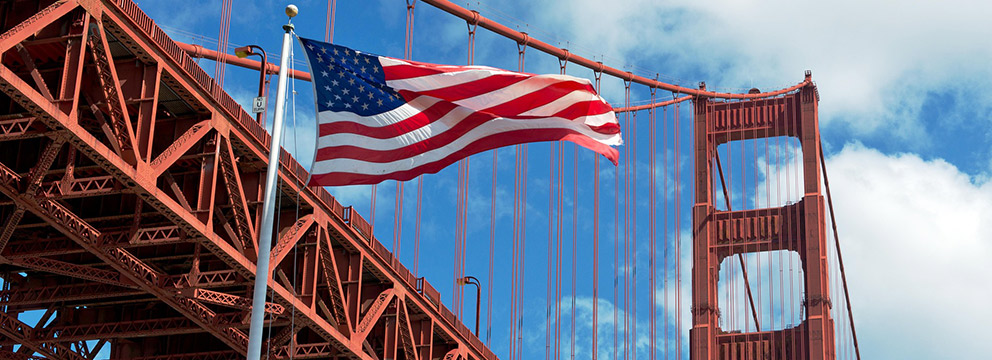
{"type": "Point", "coordinates": [167, 208]}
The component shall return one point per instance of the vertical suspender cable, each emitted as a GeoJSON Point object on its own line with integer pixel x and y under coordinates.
{"type": "Point", "coordinates": [465, 189]}
{"type": "Point", "coordinates": [398, 219]}
{"type": "Point", "coordinates": [372, 206]}
{"type": "Point", "coordinates": [515, 257]}
{"type": "Point", "coordinates": [768, 123]}
{"type": "Point", "coordinates": [595, 249]}
{"type": "Point", "coordinates": [778, 201]}
{"type": "Point", "coordinates": [520, 226]}
{"type": "Point", "coordinates": [575, 217]}
{"type": "Point", "coordinates": [492, 248]}
{"type": "Point", "coordinates": [756, 305]}
{"type": "Point", "coordinates": [742, 232]}
{"type": "Point", "coordinates": [492, 233]}
{"type": "Point", "coordinates": [420, 178]}
{"type": "Point", "coordinates": [551, 238]}
{"type": "Point", "coordinates": [616, 260]}
{"type": "Point", "coordinates": [515, 251]}
{"type": "Point", "coordinates": [678, 237]}
{"type": "Point", "coordinates": [523, 248]}
{"type": "Point", "coordinates": [461, 208]}
{"type": "Point", "coordinates": [561, 194]}
{"type": "Point", "coordinates": [626, 227]}
{"type": "Point", "coordinates": [398, 212]}
{"type": "Point", "coordinates": [840, 258]}
{"type": "Point", "coordinates": [632, 219]}
{"type": "Point", "coordinates": [730, 318]}
{"type": "Point", "coordinates": [464, 220]}
{"type": "Point", "coordinates": [332, 6]}
{"type": "Point", "coordinates": [225, 29]}
{"type": "Point", "coordinates": [492, 207]}
{"type": "Point", "coordinates": [740, 257]}
{"type": "Point", "coordinates": [664, 230]}
{"type": "Point", "coordinates": [416, 226]}
{"type": "Point", "coordinates": [575, 237]}
{"type": "Point", "coordinates": [455, 285]}
{"type": "Point", "coordinates": [652, 127]}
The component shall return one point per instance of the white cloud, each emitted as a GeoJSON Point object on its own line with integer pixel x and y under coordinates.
{"type": "Point", "coordinates": [916, 241]}
{"type": "Point", "coordinates": [875, 62]}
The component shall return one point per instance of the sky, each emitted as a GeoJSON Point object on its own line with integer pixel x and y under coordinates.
{"type": "Point", "coordinates": [906, 124]}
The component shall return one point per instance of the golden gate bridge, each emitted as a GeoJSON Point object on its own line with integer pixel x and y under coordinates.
{"type": "Point", "coordinates": [132, 183]}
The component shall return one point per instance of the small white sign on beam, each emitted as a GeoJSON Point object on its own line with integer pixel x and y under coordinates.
{"type": "Point", "coordinates": [258, 105]}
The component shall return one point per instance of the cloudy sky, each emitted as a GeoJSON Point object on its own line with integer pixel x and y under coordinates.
{"type": "Point", "coordinates": [906, 120]}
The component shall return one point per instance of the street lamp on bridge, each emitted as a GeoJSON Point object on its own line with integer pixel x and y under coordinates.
{"type": "Point", "coordinates": [245, 51]}
{"type": "Point", "coordinates": [471, 280]}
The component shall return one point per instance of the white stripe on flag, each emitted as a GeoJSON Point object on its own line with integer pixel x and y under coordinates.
{"type": "Point", "coordinates": [494, 127]}
{"type": "Point", "coordinates": [432, 130]}
{"type": "Point", "coordinates": [388, 118]}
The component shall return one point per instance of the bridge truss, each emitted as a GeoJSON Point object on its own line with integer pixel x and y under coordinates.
{"type": "Point", "coordinates": [132, 187]}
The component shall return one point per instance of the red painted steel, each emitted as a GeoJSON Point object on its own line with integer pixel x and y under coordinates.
{"type": "Point", "coordinates": [799, 227]}
{"type": "Point", "coordinates": [131, 185]}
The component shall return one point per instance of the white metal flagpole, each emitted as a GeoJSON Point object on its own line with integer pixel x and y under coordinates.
{"type": "Point", "coordinates": [268, 203]}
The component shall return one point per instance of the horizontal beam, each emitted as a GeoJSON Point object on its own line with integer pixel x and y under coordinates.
{"type": "Point", "coordinates": [72, 270]}
{"type": "Point", "coordinates": [223, 299]}
{"type": "Point", "coordinates": [198, 51]}
{"type": "Point", "coordinates": [122, 329]}
{"type": "Point", "coordinates": [40, 296]}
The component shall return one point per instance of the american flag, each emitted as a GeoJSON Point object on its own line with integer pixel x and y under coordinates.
{"type": "Point", "coordinates": [381, 118]}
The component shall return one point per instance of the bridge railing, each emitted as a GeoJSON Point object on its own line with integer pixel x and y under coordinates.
{"type": "Point", "coordinates": [429, 292]}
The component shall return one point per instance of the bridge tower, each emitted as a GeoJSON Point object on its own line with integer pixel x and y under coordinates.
{"type": "Point", "coordinates": [799, 228]}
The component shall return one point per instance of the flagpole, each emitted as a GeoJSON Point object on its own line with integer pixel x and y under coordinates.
{"type": "Point", "coordinates": [268, 204]}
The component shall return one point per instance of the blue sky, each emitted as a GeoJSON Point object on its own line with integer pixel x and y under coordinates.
{"type": "Point", "coordinates": [905, 116]}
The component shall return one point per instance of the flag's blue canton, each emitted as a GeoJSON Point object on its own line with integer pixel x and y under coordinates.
{"type": "Point", "coordinates": [349, 80]}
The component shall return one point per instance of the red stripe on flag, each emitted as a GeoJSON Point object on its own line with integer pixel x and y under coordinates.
{"type": "Point", "coordinates": [533, 100]}
{"type": "Point", "coordinates": [483, 144]}
{"type": "Point", "coordinates": [591, 107]}
{"type": "Point", "coordinates": [431, 143]}
{"type": "Point", "coordinates": [415, 69]}
{"type": "Point", "coordinates": [474, 88]}
{"type": "Point", "coordinates": [399, 72]}
{"type": "Point", "coordinates": [424, 118]}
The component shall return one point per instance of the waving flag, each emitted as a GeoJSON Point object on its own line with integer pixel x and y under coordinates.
{"type": "Point", "coordinates": [381, 118]}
